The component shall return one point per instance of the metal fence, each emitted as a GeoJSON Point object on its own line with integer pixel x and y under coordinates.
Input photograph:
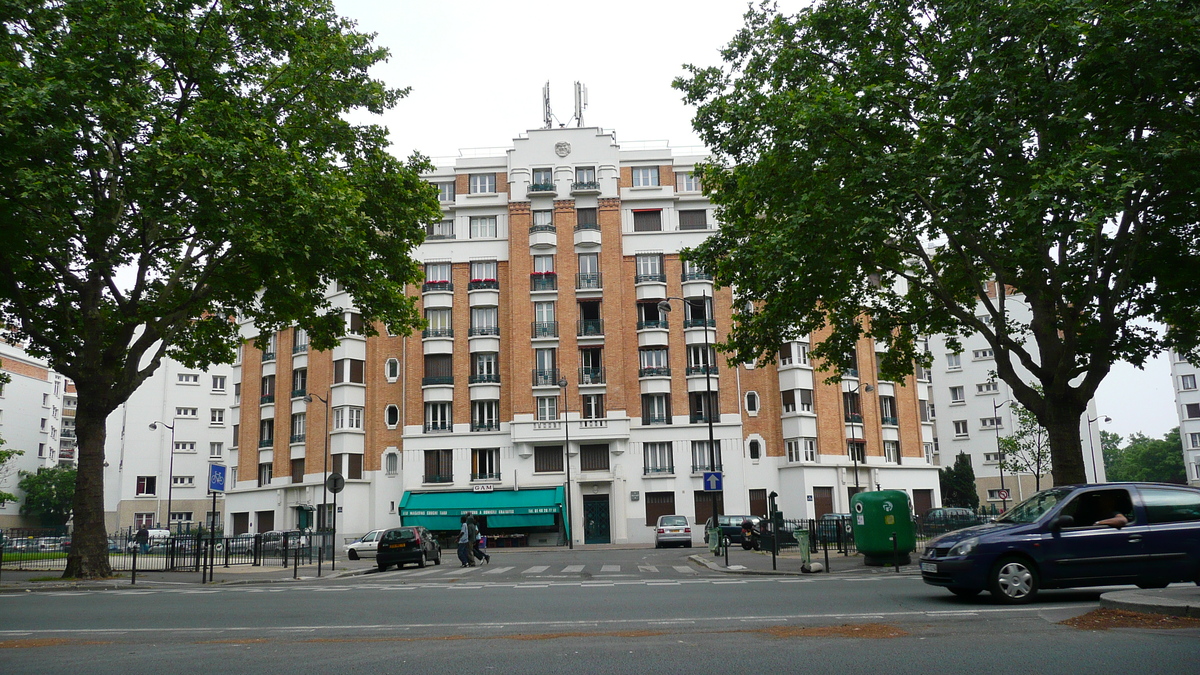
{"type": "Point", "coordinates": [47, 549]}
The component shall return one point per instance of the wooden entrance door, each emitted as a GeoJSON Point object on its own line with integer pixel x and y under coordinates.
{"type": "Point", "coordinates": [822, 501]}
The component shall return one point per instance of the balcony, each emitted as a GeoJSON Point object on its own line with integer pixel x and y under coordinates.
{"type": "Point", "coordinates": [699, 323]}
{"type": "Point", "coordinates": [704, 418]}
{"type": "Point", "coordinates": [297, 438]}
{"type": "Point", "coordinates": [585, 187]}
{"type": "Point", "coordinates": [485, 476]}
{"type": "Point", "coordinates": [649, 278]}
{"type": "Point", "coordinates": [443, 427]}
{"type": "Point", "coordinates": [590, 281]}
{"type": "Point", "coordinates": [431, 235]}
{"type": "Point", "coordinates": [545, 378]}
{"type": "Point", "coordinates": [483, 284]}
{"type": "Point", "coordinates": [590, 327]}
{"type": "Point", "coordinates": [268, 356]}
{"type": "Point", "coordinates": [266, 442]}
{"type": "Point", "coordinates": [299, 393]}
{"type": "Point", "coordinates": [300, 349]}
{"type": "Point", "coordinates": [850, 372]}
{"type": "Point", "coordinates": [437, 287]}
{"type": "Point", "coordinates": [591, 376]}
{"type": "Point", "coordinates": [546, 189]}
{"type": "Point", "coordinates": [266, 399]}
{"type": "Point", "coordinates": [484, 378]}
{"type": "Point", "coordinates": [697, 276]}
{"type": "Point", "coordinates": [485, 426]}
{"type": "Point", "coordinates": [658, 371]}
{"type": "Point", "coordinates": [658, 471]}
{"type": "Point", "coordinates": [655, 419]}
{"type": "Point", "coordinates": [544, 329]}
{"type": "Point", "coordinates": [67, 433]}
{"type": "Point", "coordinates": [706, 466]}
{"type": "Point", "coordinates": [891, 421]}
{"type": "Point", "coordinates": [543, 281]}
{"type": "Point", "coordinates": [437, 333]}
{"type": "Point", "coordinates": [587, 226]}
{"type": "Point", "coordinates": [437, 380]}
{"type": "Point", "coordinates": [854, 418]}
{"type": "Point", "coordinates": [437, 478]}
{"type": "Point", "coordinates": [648, 325]}
{"type": "Point", "coordinates": [534, 229]}
{"type": "Point", "coordinates": [483, 330]}
{"type": "Point", "coordinates": [701, 370]}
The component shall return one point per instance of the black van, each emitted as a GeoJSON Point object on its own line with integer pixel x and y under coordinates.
{"type": "Point", "coordinates": [413, 544]}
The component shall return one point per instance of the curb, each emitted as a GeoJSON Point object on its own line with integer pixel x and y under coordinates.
{"type": "Point", "coordinates": [1151, 602]}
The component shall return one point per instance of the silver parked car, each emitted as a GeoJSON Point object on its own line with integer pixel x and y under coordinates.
{"type": "Point", "coordinates": [366, 546]}
{"type": "Point", "coordinates": [672, 531]}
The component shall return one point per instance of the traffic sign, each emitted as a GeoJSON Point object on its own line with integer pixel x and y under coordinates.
{"type": "Point", "coordinates": [335, 482]}
{"type": "Point", "coordinates": [216, 477]}
{"type": "Point", "coordinates": [1003, 494]}
{"type": "Point", "coordinates": [712, 481]}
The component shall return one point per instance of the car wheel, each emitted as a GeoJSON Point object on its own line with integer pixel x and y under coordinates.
{"type": "Point", "coordinates": [688, 545]}
{"type": "Point", "coordinates": [421, 562]}
{"type": "Point", "coordinates": [352, 554]}
{"type": "Point", "coordinates": [964, 592]}
{"type": "Point", "coordinates": [438, 559]}
{"type": "Point", "coordinates": [746, 546]}
{"type": "Point", "coordinates": [1013, 580]}
{"type": "Point", "coordinates": [1152, 584]}
{"type": "Point", "coordinates": [382, 566]}
{"type": "Point", "coordinates": [658, 545]}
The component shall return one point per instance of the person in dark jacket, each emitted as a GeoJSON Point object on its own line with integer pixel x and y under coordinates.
{"type": "Point", "coordinates": [464, 544]}
{"type": "Point", "coordinates": [142, 539]}
{"type": "Point", "coordinates": [476, 536]}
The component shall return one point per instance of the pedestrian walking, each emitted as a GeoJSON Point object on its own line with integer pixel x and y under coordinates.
{"type": "Point", "coordinates": [142, 539]}
{"type": "Point", "coordinates": [464, 544]}
{"type": "Point", "coordinates": [478, 541]}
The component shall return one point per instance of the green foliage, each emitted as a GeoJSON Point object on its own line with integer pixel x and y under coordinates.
{"type": "Point", "coordinates": [877, 164]}
{"type": "Point", "coordinates": [1027, 448]}
{"type": "Point", "coordinates": [1148, 459]}
{"type": "Point", "coordinates": [6, 456]}
{"type": "Point", "coordinates": [48, 494]}
{"type": "Point", "coordinates": [958, 483]}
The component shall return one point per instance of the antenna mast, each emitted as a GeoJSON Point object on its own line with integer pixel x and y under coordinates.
{"type": "Point", "coordinates": [547, 116]}
{"type": "Point", "coordinates": [581, 102]}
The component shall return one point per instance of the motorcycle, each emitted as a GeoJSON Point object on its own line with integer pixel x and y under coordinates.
{"type": "Point", "coordinates": [749, 538]}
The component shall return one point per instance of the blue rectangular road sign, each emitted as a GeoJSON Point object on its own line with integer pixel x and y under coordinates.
{"type": "Point", "coordinates": [216, 477]}
{"type": "Point", "coordinates": [712, 481]}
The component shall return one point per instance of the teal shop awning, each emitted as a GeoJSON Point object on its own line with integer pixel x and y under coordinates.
{"type": "Point", "coordinates": [504, 508]}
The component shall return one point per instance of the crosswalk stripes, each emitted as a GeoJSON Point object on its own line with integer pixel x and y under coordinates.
{"type": "Point", "coordinates": [684, 569]}
{"type": "Point", "coordinates": [498, 570]}
{"type": "Point", "coordinates": [536, 569]}
{"type": "Point", "coordinates": [648, 568]}
{"type": "Point", "coordinates": [610, 568]}
{"type": "Point", "coordinates": [573, 569]}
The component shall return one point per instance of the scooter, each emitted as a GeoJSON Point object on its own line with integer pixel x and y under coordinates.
{"type": "Point", "coordinates": [749, 539]}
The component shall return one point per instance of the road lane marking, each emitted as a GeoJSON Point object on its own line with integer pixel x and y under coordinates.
{"type": "Point", "coordinates": [647, 568]}
{"type": "Point", "coordinates": [499, 570]}
{"type": "Point", "coordinates": [684, 569]}
{"type": "Point", "coordinates": [610, 568]}
{"type": "Point", "coordinates": [536, 569]}
{"type": "Point", "coordinates": [573, 569]}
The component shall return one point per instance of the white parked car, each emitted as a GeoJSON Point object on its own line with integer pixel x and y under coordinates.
{"type": "Point", "coordinates": [365, 547]}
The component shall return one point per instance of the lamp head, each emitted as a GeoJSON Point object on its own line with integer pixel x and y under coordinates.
{"type": "Point", "coordinates": [664, 306]}
{"type": "Point", "coordinates": [153, 426]}
{"type": "Point", "coordinates": [563, 383]}
{"type": "Point", "coordinates": [868, 388]}
{"type": "Point", "coordinates": [1107, 419]}
{"type": "Point", "coordinates": [308, 398]}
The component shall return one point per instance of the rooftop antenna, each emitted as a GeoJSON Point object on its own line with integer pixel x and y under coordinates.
{"type": "Point", "coordinates": [581, 102]}
{"type": "Point", "coordinates": [547, 116]}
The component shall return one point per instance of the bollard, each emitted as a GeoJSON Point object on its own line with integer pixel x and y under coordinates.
{"type": "Point", "coordinates": [296, 563]}
{"type": "Point", "coordinates": [826, 554]}
{"type": "Point", "coordinates": [133, 576]}
{"type": "Point", "coordinates": [726, 542]}
{"type": "Point", "coordinates": [320, 556]}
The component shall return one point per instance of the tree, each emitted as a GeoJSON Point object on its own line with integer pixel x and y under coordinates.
{"type": "Point", "coordinates": [1110, 446]}
{"type": "Point", "coordinates": [168, 166]}
{"type": "Point", "coordinates": [6, 454]}
{"type": "Point", "coordinates": [1027, 449]}
{"type": "Point", "coordinates": [898, 168]}
{"type": "Point", "coordinates": [1149, 459]}
{"type": "Point", "coordinates": [958, 483]}
{"type": "Point", "coordinates": [49, 494]}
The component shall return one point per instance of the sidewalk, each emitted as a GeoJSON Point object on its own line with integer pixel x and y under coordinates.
{"type": "Point", "coordinates": [1173, 601]}
{"type": "Point", "coordinates": [789, 562]}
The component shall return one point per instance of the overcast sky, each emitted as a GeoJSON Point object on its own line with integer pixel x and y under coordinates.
{"type": "Point", "coordinates": [477, 69]}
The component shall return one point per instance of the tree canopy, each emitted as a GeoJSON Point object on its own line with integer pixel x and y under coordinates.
{"type": "Point", "coordinates": [168, 165]}
{"type": "Point", "coordinates": [898, 168]}
{"type": "Point", "coordinates": [1148, 459]}
{"type": "Point", "coordinates": [958, 483]}
{"type": "Point", "coordinates": [1027, 448]}
{"type": "Point", "coordinates": [49, 494]}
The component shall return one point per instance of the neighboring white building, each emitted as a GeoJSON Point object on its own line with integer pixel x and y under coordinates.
{"type": "Point", "coordinates": [32, 416]}
{"type": "Point", "coordinates": [1187, 403]}
{"type": "Point", "coordinates": [974, 408]}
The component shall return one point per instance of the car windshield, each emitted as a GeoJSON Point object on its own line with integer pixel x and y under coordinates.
{"type": "Point", "coordinates": [1035, 507]}
{"type": "Point", "coordinates": [400, 535]}
{"type": "Point", "coordinates": [673, 521]}
{"type": "Point", "coordinates": [729, 520]}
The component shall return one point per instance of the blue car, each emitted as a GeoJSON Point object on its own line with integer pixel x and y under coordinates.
{"type": "Point", "coordinates": [1146, 534]}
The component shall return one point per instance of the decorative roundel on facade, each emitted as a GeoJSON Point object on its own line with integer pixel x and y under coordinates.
{"type": "Point", "coordinates": [562, 148]}
{"type": "Point", "coordinates": [858, 507]}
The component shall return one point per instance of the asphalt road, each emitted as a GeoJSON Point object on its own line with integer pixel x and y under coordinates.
{"type": "Point", "coordinates": [640, 611]}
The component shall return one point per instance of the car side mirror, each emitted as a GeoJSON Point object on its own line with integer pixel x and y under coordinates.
{"type": "Point", "coordinates": [1062, 522]}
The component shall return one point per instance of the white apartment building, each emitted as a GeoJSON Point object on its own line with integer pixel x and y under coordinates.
{"type": "Point", "coordinates": [974, 409]}
{"type": "Point", "coordinates": [1187, 404]}
{"type": "Point", "coordinates": [34, 418]}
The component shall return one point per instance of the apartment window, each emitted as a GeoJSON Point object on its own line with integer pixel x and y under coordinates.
{"type": "Point", "coordinates": [299, 340]}
{"type": "Point", "coordinates": [802, 353]}
{"type": "Point", "coordinates": [701, 358]}
{"type": "Point", "coordinates": [792, 448]}
{"type": "Point", "coordinates": [218, 383]}
{"type": "Point", "coordinates": [445, 191]}
{"type": "Point", "coordinates": [482, 183]}
{"type": "Point", "coordinates": [485, 464]}
{"type": "Point", "coordinates": [45, 400]}
{"type": "Point", "coordinates": [645, 176]}
{"type": "Point", "coordinates": [547, 408]}
{"type": "Point", "coordinates": [436, 273]}
{"type": "Point", "coordinates": [147, 486]}
{"type": "Point", "coordinates": [982, 354]}
{"type": "Point", "coordinates": [483, 270]}
{"type": "Point", "coordinates": [234, 444]}
{"type": "Point", "coordinates": [266, 433]}
{"type": "Point", "coordinates": [438, 417]}
{"type": "Point", "coordinates": [957, 395]}
{"type": "Point", "coordinates": [391, 369]}
{"type": "Point", "coordinates": [485, 416]}
{"type": "Point", "coordinates": [789, 400]}
{"type": "Point", "coordinates": [887, 410]}
{"type": "Point", "coordinates": [391, 463]}
{"type": "Point", "coordinates": [439, 322]}
{"type": "Point", "coordinates": [857, 451]}
{"type": "Point", "coordinates": [960, 429]}
{"type": "Point", "coordinates": [586, 218]}
{"type": "Point", "coordinates": [46, 420]}
{"type": "Point", "coordinates": [299, 382]}
{"type": "Point", "coordinates": [347, 417]}
{"type": "Point", "coordinates": [297, 470]}
{"type": "Point", "coordinates": [543, 312]}
{"type": "Point", "coordinates": [351, 465]}
{"type": "Point", "coordinates": [656, 409]}
{"type": "Point", "coordinates": [268, 353]}
{"type": "Point", "coordinates": [994, 495]}
{"type": "Point", "coordinates": [703, 459]}
{"type": "Point", "coordinates": [184, 481]}
{"type": "Point", "coordinates": [657, 458]}
{"type": "Point", "coordinates": [543, 264]}
{"type": "Point", "coordinates": [141, 520]}
{"type": "Point", "coordinates": [548, 459]}
{"type": "Point", "coordinates": [1191, 411]}
{"type": "Point", "coordinates": [391, 416]}
{"type": "Point", "coordinates": [181, 516]}
{"type": "Point", "coordinates": [216, 449]}
{"type": "Point", "coordinates": [925, 410]}
{"type": "Point", "coordinates": [299, 427]}
{"type": "Point", "coordinates": [485, 366]}
{"type": "Point", "coordinates": [188, 378]}
{"type": "Point", "coordinates": [653, 359]}
{"type": "Point", "coordinates": [443, 229]}
{"type": "Point", "coordinates": [928, 447]}
{"type": "Point", "coordinates": [185, 446]}
{"type": "Point", "coordinates": [1187, 382]}
{"type": "Point", "coordinates": [185, 412]}
{"type": "Point", "coordinates": [752, 402]}
{"type": "Point", "coordinates": [954, 361]}
{"type": "Point", "coordinates": [593, 406]}
{"type": "Point", "coordinates": [543, 219]}
{"type": "Point", "coordinates": [755, 449]}
{"type": "Point", "coordinates": [991, 387]}
{"type": "Point", "coordinates": [543, 176]}
{"type": "Point", "coordinates": [483, 227]}
{"type": "Point", "coordinates": [349, 370]}
{"type": "Point", "coordinates": [265, 473]}
{"type": "Point", "coordinates": [593, 457]}
{"type": "Point", "coordinates": [649, 266]}
{"type": "Point", "coordinates": [990, 423]}
{"type": "Point", "coordinates": [785, 354]}
{"type": "Point", "coordinates": [42, 451]}
{"type": "Point", "coordinates": [695, 219]}
{"type": "Point", "coordinates": [809, 448]}
{"type": "Point", "coordinates": [687, 182]}
{"type": "Point", "coordinates": [216, 417]}
{"type": "Point", "coordinates": [891, 452]}
{"type": "Point", "coordinates": [237, 393]}
{"type": "Point", "coordinates": [1194, 440]}
{"type": "Point", "coordinates": [647, 220]}
{"type": "Point", "coordinates": [805, 399]}
{"type": "Point", "coordinates": [585, 174]}
{"type": "Point", "coordinates": [485, 321]}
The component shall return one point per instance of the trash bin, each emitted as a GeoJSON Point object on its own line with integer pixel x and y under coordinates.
{"type": "Point", "coordinates": [802, 539]}
{"type": "Point", "coordinates": [878, 516]}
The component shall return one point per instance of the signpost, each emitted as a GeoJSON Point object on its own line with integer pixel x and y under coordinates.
{"type": "Point", "coordinates": [216, 484]}
{"type": "Point", "coordinates": [335, 483]}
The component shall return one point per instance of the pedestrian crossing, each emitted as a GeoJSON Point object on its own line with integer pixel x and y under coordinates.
{"type": "Point", "coordinates": [594, 570]}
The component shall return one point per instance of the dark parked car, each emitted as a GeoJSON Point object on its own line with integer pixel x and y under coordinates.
{"type": "Point", "coordinates": [401, 545]}
{"type": "Point", "coordinates": [1080, 535]}
{"type": "Point", "coordinates": [943, 520]}
{"type": "Point", "coordinates": [731, 526]}
{"type": "Point", "coordinates": [833, 528]}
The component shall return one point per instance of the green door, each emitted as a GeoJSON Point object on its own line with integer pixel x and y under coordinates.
{"type": "Point", "coordinates": [595, 520]}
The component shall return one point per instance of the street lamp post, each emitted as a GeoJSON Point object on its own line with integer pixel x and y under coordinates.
{"type": "Point", "coordinates": [170, 466]}
{"type": "Point", "coordinates": [562, 382]}
{"type": "Point", "coordinates": [861, 423]}
{"type": "Point", "coordinates": [1092, 444]}
{"type": "Point", "coordinates": [308, 398]}
{"type": "Point", "coordinates": [710, 406]}
{"type": "Point", "coordinates": [1000, 452]}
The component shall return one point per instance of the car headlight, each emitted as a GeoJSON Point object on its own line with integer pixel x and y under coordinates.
{"type": "Point", "coordinates": [964, 547]}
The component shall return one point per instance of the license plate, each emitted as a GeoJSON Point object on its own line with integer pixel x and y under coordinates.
{"type": "Point", "coordinates": [399, 545]}
{"type": "Point", "coordinates": [675, 531]}
{"type": "Point", "coordinates": [929, 567]}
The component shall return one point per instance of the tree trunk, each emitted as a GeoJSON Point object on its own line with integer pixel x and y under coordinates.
{"type": "Point", "coordinates": [1066, 447]}
{"type": "Point", "coordinates": [88, 558]}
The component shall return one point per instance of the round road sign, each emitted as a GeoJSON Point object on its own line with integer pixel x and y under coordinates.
{"type": "Point", "coordinates": [1003, 494]}
{"type": "Point", "coordinates": [335, 483]}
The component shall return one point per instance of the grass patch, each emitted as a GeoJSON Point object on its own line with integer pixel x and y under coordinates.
{"type": "Point", "coordinates": [33, 555]}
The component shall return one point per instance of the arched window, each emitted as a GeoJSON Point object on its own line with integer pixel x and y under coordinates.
{"type": "Point", "coordinates": [392, 463]}
{"type": "Point", "coordinates": [392, 370]}
{"type": "Point", "coordinates": [755, 449]}
{"type": "Point", "coordinates": [392, 415]}
{"type": "Point", "coordinates": [752, 402]}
